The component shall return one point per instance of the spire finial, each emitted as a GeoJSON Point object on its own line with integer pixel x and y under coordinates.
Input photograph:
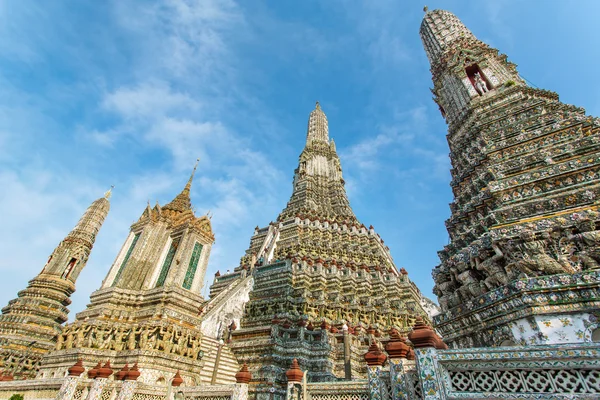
{"type": "Point", "coordinates": [108, 193]}
{"type": "Point", "coordinates": [425, 8]}
{"type": "Point", "coordinates": [189, 184]}
{"type": "Point", "coordinates": [317, 126]}
{"type": "Point", "coordinates": [182, 201]}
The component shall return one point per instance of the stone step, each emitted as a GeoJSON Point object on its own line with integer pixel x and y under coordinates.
{"type": "Point", "coordinates": [228, 365]}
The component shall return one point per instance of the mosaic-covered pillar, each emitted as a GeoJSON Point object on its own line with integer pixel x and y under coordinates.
{"type": "Point", "coordinates": [398, 350]}
{"type": "Point", "coordinates": [100, 376]}
{"type": "Point", "coordinates": [375, 359]}
{"type": "Point", "coordinates": [67, 390]}
{"type": "Point", "coordinates": [240, 390]}
{"type": "Point", "coordinates": [426, 343]}
{"type": "Point", "coordinates": [398, 381]}
{"type": "Point", "coordinates": [96, 389]}
{"type": "Point", "coordinates": [428, 374]}
{"type": "Point", "coordinates": [294, 377]}
{"type": "Point", "coordinates": [127, 390]}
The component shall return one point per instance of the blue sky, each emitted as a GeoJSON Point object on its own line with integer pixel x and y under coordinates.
{"type": "Point", "coordinates": [130, 93]}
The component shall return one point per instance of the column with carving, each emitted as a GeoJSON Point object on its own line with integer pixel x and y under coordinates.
{"type": "Point", "coordinates": [375, 359]}
{"type": "Point", "coordinates": [100, 381]}
{"type": "Point", "coordinates": [67, 390]}
{"type": "Point", "coordinates": [426, 343]}
{"type": "Point", "coordinates": [294, 377]}
{"type": "Point", "coordinates": [242, 378]}
{"type": "Point", "coordinates": [129, 377]}
{"type": "Point", "coordinates": [397, 350]}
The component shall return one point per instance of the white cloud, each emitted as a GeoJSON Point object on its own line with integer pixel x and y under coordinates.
{"type": "Point", "coordinates": [148, 100]}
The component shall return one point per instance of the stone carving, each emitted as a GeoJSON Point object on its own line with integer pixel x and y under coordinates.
{"type": "Point", "coordinates": [588, 240]}
{"type": "Point", "coordinates": [534, 259]}
{"type": "Point", "coordinates": [489, 263]}
{"type": "Point", "coordinates": [165, 338]}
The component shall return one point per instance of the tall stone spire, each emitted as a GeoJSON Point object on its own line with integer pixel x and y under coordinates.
{"type": "Point", "coordinates": [318, 129]}
{"type": "Point", "coordinates": [439, 29]}
{"type": "Point", "coordinates": [182, 201]}
{"type": "Point", "coordinates": [525, 179]}
{"type": "Point", "coordinates": [318, 187]}
{"type": "Point", "coordinates": [317, 265]}
{"type": "Point", "coordinates": [30, 323]}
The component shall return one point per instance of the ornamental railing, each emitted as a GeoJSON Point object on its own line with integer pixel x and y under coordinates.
{"type": "Point", "coordinates": [533, 372]}
{"type": "Point", "coordinates": [34, 389]}
{"type": "Point", "coordinates": [350, 390]}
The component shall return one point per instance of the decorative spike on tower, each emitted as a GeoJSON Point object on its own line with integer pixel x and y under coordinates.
{"type": "Point", "coordinates": [525, 178]}
{"type": "Point", "coordinates": [318, 187]}
{"type": "Point", "coordinates": [182, 201]}
{"type": "Point", "coordinates": [318, 128]}
{"type": "Point", "coordinates": [316, 266]}
{"type": "Point", "coordinates": [30, 323]}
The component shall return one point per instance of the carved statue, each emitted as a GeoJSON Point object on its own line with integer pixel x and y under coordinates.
{"type": "Point", "coordinates": [182, 344]}
{"type": "Point", "coordinates": [487, 262]}
{"type": "Point", "coordinates": [471, 285]}
{"type": "Point", "coordinates": [195, 348]}
{"type": "Point", "coordinates": [444, 288]}
{"type": "Point", "coordinates": [589, 240]}
{"type": "Point", "coordinates": [80, 337]}
{"type": "Point", "coordinates": [167, 339]}
{"type": "Point", "coordinates": [144, 337]}
{"type": "Point", "coordinates": [105, 344]}
{"type": "Point", "coordinates": [535, 260]}
{"type": "Point", "coordinates": [117, 343]}
{"type": "Point", "coordinates": [90, 337]}
{"type": "Point", "coordinates": [131, 343]}
{"type": "Point", "coordinates": [480, 84]}
{"type": "Point", "coordinates": [60, 341]}
{"type": "Point", "coordinates": [564, 249]}
{"type": "Point", "coordinates": [69, 339]}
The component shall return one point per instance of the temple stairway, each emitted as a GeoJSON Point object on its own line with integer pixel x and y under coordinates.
{"type": "Point", "coordinates": [226, 305]}
{"type": "Point", "coordinates": [227, 366]}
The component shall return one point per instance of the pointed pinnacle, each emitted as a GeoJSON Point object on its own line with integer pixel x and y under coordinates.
{"type": "Point", "coordinates": [188, 186]}
{"type": "Point", "coordinates": [108, 193]}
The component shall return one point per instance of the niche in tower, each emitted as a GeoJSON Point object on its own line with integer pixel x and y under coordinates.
{"type": "Point", "coordinates": [471, 71]}
{"type": "Point", "coordinates": [69, 268]}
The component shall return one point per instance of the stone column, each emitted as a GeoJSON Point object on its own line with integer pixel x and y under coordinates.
{"type": "Point", "coordinates": [176, 381]}
{"type": "Point", "coordinates": [347, 353]}
{"type": "Point", "coordinates": [96, 389]}
{"type": "Point", "coordinates": [397, 350]}
{"type": "Point", "coordinates": [375, 359]}
{"type": "Point", "coordinates": [100, 382]}
{"type": "Point", "coordinates": [427, 343]}
{"type": "Point", "coordinates": [242, 378]}
{"type": "Point", "coordinates": [129, 377]}
{"type": "Point", "coordinates": [127, 390]}
{"type": "Point", "coordinates": [294, 377]}
{"type": "Point", "coordinates": [67, 390]}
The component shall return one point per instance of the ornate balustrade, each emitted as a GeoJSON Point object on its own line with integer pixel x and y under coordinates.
{"type": "Point", "coordinates": [209, 392]}
{"type": "Point", "coordinates": [38, 389]}
{"type": "Point", "coordinates": [348, 390]}
{"type": "Point", "coordinates": [534, 372]}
